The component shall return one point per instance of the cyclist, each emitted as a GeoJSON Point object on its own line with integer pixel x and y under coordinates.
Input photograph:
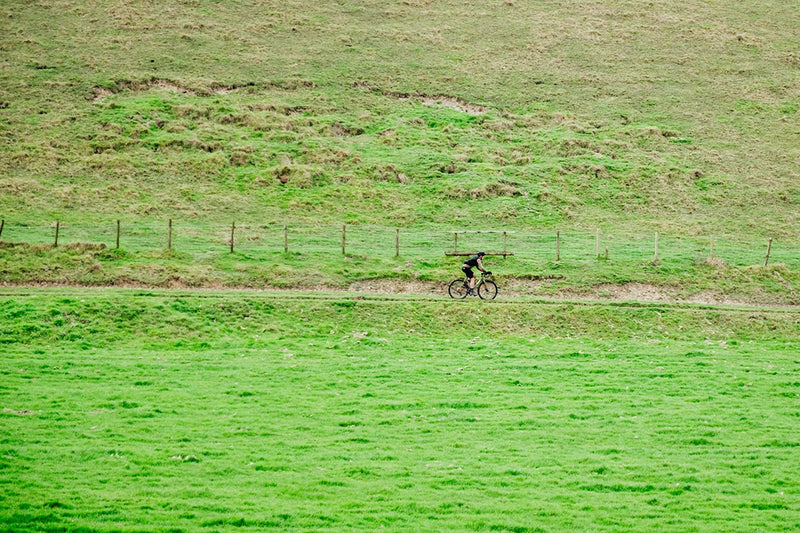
{"type": "Point", "coordinates": [469, 264]}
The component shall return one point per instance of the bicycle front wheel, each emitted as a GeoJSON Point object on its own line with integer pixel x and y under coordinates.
{"type": "Point", "coordinates": [487, 290]}
{"type": "Point", "coordinates": [457, 289]}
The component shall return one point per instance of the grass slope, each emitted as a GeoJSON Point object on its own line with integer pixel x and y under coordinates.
{"type": "Point", "coordinates": [678, 115]}
{"type": "Point", "coordinates": [684, 275]}
{"type": "Point", "coordinates": [131, 410]}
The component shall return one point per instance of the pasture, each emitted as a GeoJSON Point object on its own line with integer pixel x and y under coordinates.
{"type": "Point", "coordinates": [679, 116]}
{"type": "Point", "coordinates": [140, 410]}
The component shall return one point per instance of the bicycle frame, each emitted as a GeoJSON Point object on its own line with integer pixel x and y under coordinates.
{"type": "Point", "coordinates": [484, 287]}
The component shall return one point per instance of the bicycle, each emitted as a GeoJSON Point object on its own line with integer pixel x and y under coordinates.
{"type": "Point", "coordinates": [485, 288]}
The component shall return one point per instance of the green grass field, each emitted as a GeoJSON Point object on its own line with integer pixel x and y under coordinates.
{"type": "Point", "coordinates": [131, 410]}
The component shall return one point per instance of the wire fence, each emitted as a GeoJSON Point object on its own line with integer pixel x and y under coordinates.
{"type": "Point", "coordinates": [425, 243]}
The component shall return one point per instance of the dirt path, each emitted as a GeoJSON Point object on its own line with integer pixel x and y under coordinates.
{"type": "Point", "coordinates": [509, 290]}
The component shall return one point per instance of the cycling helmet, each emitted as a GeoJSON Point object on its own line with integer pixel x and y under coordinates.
{"type": "Point", "coordinates": [481, 253]}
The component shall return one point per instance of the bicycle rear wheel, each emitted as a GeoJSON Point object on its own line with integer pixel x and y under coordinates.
{"type": "Point", "coordinates": [487, 290]}
{"type": "Point", "coordinates": [457, 289]}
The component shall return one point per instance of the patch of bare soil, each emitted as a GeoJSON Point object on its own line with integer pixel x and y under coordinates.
{"type": "Point", "coordinates": [640, 292]}
{"type": "Point", "coordinates": [456, 104]}
{"type": "Point", "coordinates": [389, 286]}
{"type": "Point", "coordinates": [708, 297]}
{"type": "Point", "coordinates": [101, 93]}
{"type": "Point", "coordinates": [645, 292]}
{"type": "Point", "coordinates": [441, 100]}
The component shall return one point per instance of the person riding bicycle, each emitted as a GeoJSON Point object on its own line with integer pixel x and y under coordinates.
{"type": "Point", "coordinates": [476, 261]}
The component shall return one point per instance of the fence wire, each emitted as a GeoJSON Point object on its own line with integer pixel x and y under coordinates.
{"type": "Point", "coordinates": [425, 243]}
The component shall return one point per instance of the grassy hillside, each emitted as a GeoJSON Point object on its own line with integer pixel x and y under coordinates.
{"type": "Point", "coordinates": [676, 114]}
{"type": "Point", "coordinates": [680, 117]}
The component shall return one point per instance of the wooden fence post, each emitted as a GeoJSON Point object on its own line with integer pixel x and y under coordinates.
{"type": "Point", "coordinates": [169, 236]}
{"type": "Point", "coordinates": [769, 249]}
{"type": "Point", "coordinates": [655, 254]}
{"type": "Point", "coordinates": [397, 242]}
{"type": "Point", "coordinates": [505, 242]}
{"type": "Point", "coordinates": [285, 238]}
{"type": "Point", "coordinates": [117, 234]}
{"type": "Point", "coordinates": [455, 241]}
{"type": "Point", "coordinates": [233, 230]}
{"type": "Point", "coordinates": [344, 239]}
{"type": "Point", "coordinates": [58, 226]}
{"type": "Point", "coordinates": [558, 246]}
{"type": "Point", "coordinates": [2, 225]}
